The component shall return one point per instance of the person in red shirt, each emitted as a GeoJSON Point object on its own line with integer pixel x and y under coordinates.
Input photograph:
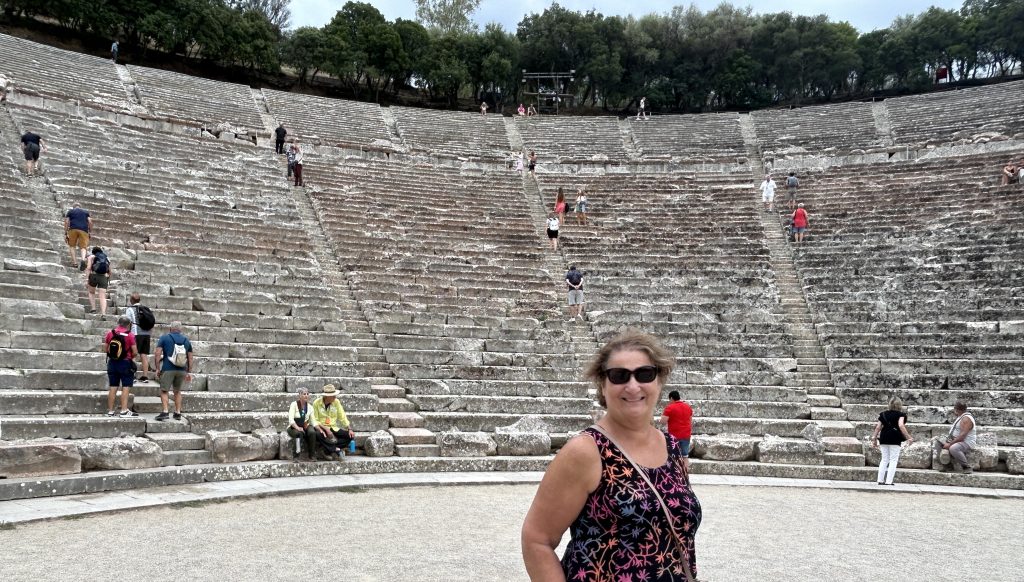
{"type": "Point", "coordinates": [800, 223]}
{"type": "Point", "coordinates": [119, 344]}
{"type": "Point", "coordinates": [678, 416]}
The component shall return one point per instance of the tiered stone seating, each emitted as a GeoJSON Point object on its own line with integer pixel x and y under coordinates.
{"type": "Point", "coordinates": [215, 241]}
{"type": "Point", "coordinates": [822, 129]}
{"type": "Point", "coordinates": [194, 99]}
{"type": "Point", "coordinates": [684, 257]}
{"type": "Point", "coordinates": [914, 273]}
{"type": "Point", "coordinates": [43, 70]}
{"type": "Point", "coordinates": [457, 133]}
{"type": "Point", "coordinates": [335, 122]}
{"type": "Point", "coordinates": [958, 116]}
{"type": "Point", "coordinates": [572, 139]}
{"type": "Point", "coordinates": [711, 137]}
{"type": "Point", "coordinates": [458, 292]}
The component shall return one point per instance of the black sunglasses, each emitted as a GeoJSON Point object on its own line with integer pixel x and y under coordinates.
{"type": "Point", "coordinates": [642, 374]}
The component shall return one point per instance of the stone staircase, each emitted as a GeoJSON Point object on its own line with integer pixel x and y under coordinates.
{"type": "Point", "coordinates": [881, 114]}
{"type": "Point", "coordinates": [392, 126]}
{"type": "Point", "coordinates": [515, 139]}
{"type": "Point", "coordinates": [838, 434]}
{"type": "Point", "coordinates": [131, 89]}
{"type": "Point", "coordinates": [269, 122]}
{"type": "Point", "coordinates": [628, 144]}
{"type": "Point", "coordinates": [406, 424]}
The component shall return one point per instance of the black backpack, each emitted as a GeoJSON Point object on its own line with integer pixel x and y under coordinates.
{"type": "Point", "coordinates": [144, 318]}
{"type": "Point", "coordinates": [101, 264]}
{"type": "Point", "coordinates": [117, 349]}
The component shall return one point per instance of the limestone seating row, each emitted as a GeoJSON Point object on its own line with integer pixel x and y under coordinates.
{"type": "Point", "coordinates": [196, 99]}
{"type": "Point", "coordinates": [43, 70]}
{"type": "Point", "coordinates": [703, 136]}
{"type": "Point", "coordinates": [327, 121]}
{"type": "Point", "coordinates": [825, 128]}
{"type": "Point", "coordinates": [940, 116]}
{"type": "Point", "coordinates": [453, 132]}
{"type": "Point", "coordinates": [522, 388]}
{"type": "Point", "coordinates": [934, 397]}
{"type": "Point", "coordinates": [577, 138]}
{"type": "Point", "coordinates": [40, 402]}
{"type": "Point", "coordinates": [501, 404]}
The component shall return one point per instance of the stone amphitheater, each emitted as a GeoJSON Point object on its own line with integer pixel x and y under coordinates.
{"type": "Point", "coordinates": [412, 272]}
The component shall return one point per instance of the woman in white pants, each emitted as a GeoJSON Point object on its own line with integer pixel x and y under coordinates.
{"type": "Point", "coordinates": [890, 434]}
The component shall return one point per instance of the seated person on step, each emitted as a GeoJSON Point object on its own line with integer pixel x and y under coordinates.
{"type": "Point", "coordinates": [961, 438]}
{"type": "Point", "coordinates": [330, 426]}
{"type": "Point", "coordinates": [1011, 174]}
{"type": "Point", "coordinates": [299, 425]}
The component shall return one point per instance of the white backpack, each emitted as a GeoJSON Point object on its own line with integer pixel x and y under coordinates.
{"type": "Point", "coordinates": [179, 357]}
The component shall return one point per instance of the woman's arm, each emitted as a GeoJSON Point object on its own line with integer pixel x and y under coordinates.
{"type": "Point", "coordinates": [874, 436]}
{"type": "Point", "coordinates": [904, 430]}
{"type": "Point", "coordinates": [571, 477]}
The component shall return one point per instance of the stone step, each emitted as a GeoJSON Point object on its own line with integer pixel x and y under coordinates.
{"type": "Point", "coordinates": [844, 459]}
{"type": "Point", "coordinates": [169, 426]}
{"type": "Point", "coordinates": [413, 436]}
{"type": "Point", "coordinates": [387, 391]}
{"type": "Point", "coordinates": [804, 369]}
{"type": "Point", "coordinates": [823, 376]}
{"type": "Point", "coordinates": [827, 413]}
{"type": "Point", "coordinates": [843, 445]}
{"type": "Point", "coordinates": [818, 400]}
{"type": "Point", "coordinates": [178, 441]}
{"type": "Point", "coordinates": [422, 450]}
{"type": "Point", "coordinates": [836, 428]}
{"type": "Point", "coordinates": [185, 457]}
{"type": "Point", "coordinates": [405, 420]}
{"type": "Point", "coordinates": [820, 390]}
{"type": "Point", "coordinates": [70, 426]}
{"type": "Point", "coordinates": [395, 405]}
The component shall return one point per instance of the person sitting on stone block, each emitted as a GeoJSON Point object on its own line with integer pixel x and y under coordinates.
{"type": "Point", "coordinates": [1010, 174]}
{"type": "Point", "coordinates": [961, 438]}
{"type": "Point", "coordinates": [299, 424]}
{"type": "Point", "coordinates": [329, 425]}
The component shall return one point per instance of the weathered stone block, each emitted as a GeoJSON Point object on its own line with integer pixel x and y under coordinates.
{"type": "Point", "coordinates": [523, 443]}
{"type": "Point", "coordinates": [270, 441]}
{"type": "Point", "coordinates": [724, 447]}
{"type": "Point", "coordinates": [39, 457]}
{"type": "Point", "coordinates": [1015, 461]}
{"type": "Point", "coordinates": [983, 457]}
{"type": "Point", "coordinates": [379, 444]}
{"type": "Point", "coordinates": [778, 450]}
{"type": "Point", "coordinates": [915, 456]}
{"type": "Point", "coordinates": [527, 423]}
{"type": "Point", "coordinates": [466, 444]}
{"type": "Point", "coordinates": [812, 432]}
{"type": "Point", "coordinates": [119, 453]}
{"type": "Point", "coordinates": [231, 446]}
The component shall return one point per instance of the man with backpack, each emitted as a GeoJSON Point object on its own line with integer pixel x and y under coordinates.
{"type": "Point", "coordinates": [77, 225]}
{"type": "Point", "coordinates": [142, 323]}
{"type": "Point", "coordinates": [98, 279]}
{"type": "Point", "coordinates": [792, 184]}
{"type": "Point", "coordinates": [174, 361]}
{"type": "Point", "coordinates": [574, 281]}
{"type": "Point", "coordinates": [119, 344]}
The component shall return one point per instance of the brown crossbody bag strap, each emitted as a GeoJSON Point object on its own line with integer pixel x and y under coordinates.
{"type": "Point", "coordinates": [684, 554]}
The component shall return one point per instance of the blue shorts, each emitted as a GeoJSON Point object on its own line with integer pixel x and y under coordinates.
{"type": "Point", "coordinates": [799, 229]}
{"type": "Point", "coordinates": [120, 373]}
{"type": "Point", "coordinates": [684, 447]}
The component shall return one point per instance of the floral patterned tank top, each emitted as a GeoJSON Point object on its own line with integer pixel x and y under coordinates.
{"type": "Point", "coordinates": [621, 534]}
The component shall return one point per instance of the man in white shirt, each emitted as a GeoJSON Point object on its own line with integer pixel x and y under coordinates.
{"type": "Point", "coordinates": [768, 193]}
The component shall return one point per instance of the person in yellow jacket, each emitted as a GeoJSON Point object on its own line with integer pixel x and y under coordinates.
{"type": "Point", "coordinates": [330, 425]}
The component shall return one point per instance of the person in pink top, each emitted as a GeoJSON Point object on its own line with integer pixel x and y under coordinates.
{"type": "Point", "coordinates": [119, 345]}
{"type": "Point", "coordinates": [678, 416]}
{"type": "Point", "coordinates": [800, 223]}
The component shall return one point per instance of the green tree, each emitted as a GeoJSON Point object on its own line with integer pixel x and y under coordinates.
{"type": "Point", "coordinates": [304, 49]}
{"type": "Point", "coordinates": [447, 16]}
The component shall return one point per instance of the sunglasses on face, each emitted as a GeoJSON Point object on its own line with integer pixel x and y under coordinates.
{"type": "Point", "coordinates": [643, 374]}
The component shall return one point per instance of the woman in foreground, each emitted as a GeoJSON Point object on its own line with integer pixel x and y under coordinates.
{"type": "Point", "coordinates": [618, 525]}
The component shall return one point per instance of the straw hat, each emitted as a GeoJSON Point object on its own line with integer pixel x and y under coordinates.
{"type": "Point", "coordinates": [330, 390]}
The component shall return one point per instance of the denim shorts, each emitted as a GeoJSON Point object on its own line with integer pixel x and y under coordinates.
{"type": "Point", "coordinates": [120, 373]}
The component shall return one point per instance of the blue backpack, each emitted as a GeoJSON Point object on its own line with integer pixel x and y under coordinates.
{"type": "Point", "coordinates": [101, 264]}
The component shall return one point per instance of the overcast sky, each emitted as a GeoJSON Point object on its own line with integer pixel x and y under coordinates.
{"type": "Point", "coordinates": [865, 15]}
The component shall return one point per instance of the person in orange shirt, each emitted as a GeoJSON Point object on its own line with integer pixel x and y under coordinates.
{"type": "Point", "coordinates": [678, 416]}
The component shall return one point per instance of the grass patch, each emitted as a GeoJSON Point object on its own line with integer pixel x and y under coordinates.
{"type": "Point", "coordinates": [7, 526]}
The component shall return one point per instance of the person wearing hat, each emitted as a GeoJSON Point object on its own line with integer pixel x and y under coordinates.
{"type": "Point", "coordinates": [332, 429]}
